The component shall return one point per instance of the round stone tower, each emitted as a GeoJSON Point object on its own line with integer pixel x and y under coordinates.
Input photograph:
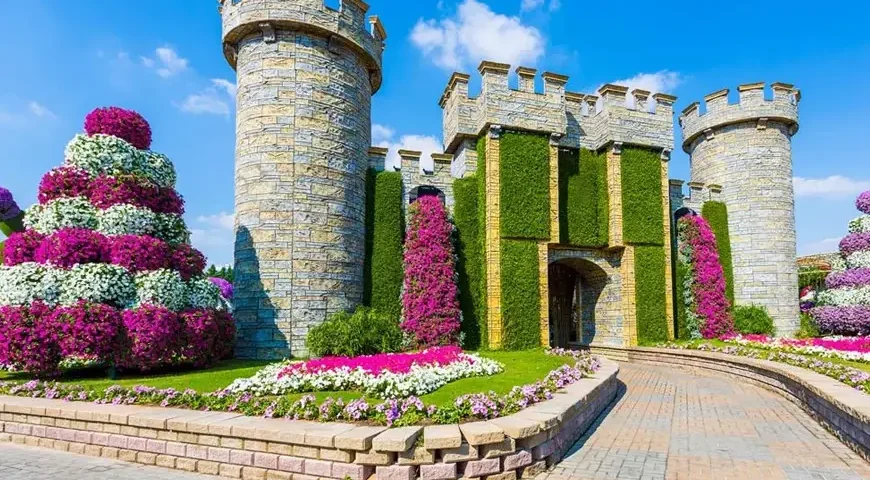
{"type": "Point", "coordinates": [746, 149]}
{"type": "Point", "coordinates": [306, 75]}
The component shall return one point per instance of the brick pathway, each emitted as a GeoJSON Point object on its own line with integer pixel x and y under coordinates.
{"type": "Point", "coordinates": [673, 424]}
{"type": "Point", "coordinates": [18, 462]}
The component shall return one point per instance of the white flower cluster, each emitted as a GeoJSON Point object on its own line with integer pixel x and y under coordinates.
{"type": "Point", "coordinates": [838, 264]}
{"type": "Point", "coordinates": [22, 284]}
{"type": "Point", "coordinates": [98, 283]}
{"type": "Point", "coordinates": [99, 154]}
{"type": "Point", "coordinates": [170, 228]}
{"type": "Point", "coordinates": [125, 220]}
{"type": "Point", "coordinates": [202, 293]}
{"type": "Point", "coordinates": [61, 213]}
{"type": "Point", "coordinates": [419, 381]}
{"type": "Point", "coordinates": [161, 287]}
{"type": "Point", "coordinates": [780, 343]}
{"type": "Point", "coordinates": [860, 224]}
{"type": "Point", "coordinates": [845, 296]}
{"type": "Point", "coordinates": [859, 259]}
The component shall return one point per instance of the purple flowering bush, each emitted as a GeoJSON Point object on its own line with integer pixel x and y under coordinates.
{"type": "Point", "coordinates": [71, 246]}
{"type": "Point", "coordinates": [65, 181]}
{"type": "Point", "coordinates": [28, 339]}
{"type": "Point", "coordinates": [21, 247]}
{"type": "Point", "coordinates": [121, 123]}
{"type": "Point", "coordinates": [430, 303]}
{"type": "Point", "coordinates": [225, 287]}
{"type": "Point", "coordinates": [90, 330]}
{"type": "Point", "coordinates": [108, 191]}
{"type": "Point", "coordinates": [8, 208]}
{"type": "Point", "coordinates": [208, 335]}
{"type": "Point", "coordinates": [188, 261]}
{"type": "Point", "coordinates": [862, 203]}
{"type": "Point", "coordinates": [137, 253]}
{"type": "Point", "coordinates": [156, 336]}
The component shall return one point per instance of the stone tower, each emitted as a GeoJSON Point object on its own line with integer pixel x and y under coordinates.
{"type": "Point", "coordinates": [746, 149]}
{"type": "Point", "coordinates": [306, 75]}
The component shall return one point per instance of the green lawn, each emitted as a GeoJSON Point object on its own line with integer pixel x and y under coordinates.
{"type": "Point", "coordinates": [520, 368]}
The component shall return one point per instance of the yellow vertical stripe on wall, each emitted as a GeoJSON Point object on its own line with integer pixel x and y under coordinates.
{"type": "Point", "coordinates": [544, 283]}
{"type": "Point", "coordinates": [666, 210]}
{"type": "Point", "coordinates": [629, 297]}
{"type": "Point", "coordinates": [614, 188]}
{"type": "Point", "coordinates": [493, 240]}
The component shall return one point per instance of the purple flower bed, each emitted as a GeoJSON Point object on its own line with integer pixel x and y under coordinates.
{"type": "Point", "coordinates": [71, 246]}
{"type": "Point", "coordinates": [125, 124]}
{"type": "Point", "coordinates": [225, 287]}
{"type": "Point", "coordinates": [430, 302]}
{"type": "Point", "coordinates": [843, 320]}
{"type": "Point", "coordinates": [862, 203]}
{"type": "Point", "coordinates": [21, 247]}
{"type": "Point", "coordinates": [857, 277]}
{"type": "Point", "coordinates": [8, 208]}
{"type": "Point", "coordinates": [854, 242]}
{"type": "Point", "coordinates": [63, 182]}
{"type": "Point", "coordinates": [138, 253]}
{"type": "Point", "coordinates": [708, 286]}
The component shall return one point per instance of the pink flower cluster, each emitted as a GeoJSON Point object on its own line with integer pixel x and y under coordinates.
{"type": "Point", "coordinates": [71, 246]}
{"type": "Point", "coordinates": [209, 335]}
{"type": "Point", "coordinates": [21, 247]}
{"type": "Point", "coordinates": [89, 330]}
{"type": "Point", "coordinates": [380, 363]}
{"type": "Point", "coordinates": [842, 344]}
{"type": "Point", "coordinates": [708, 286]}
{"type": "Point", "coordinates": [121, 123]}
{"type": "Point", "coordinates": [62, 182]}
{"type": "Point", "coordinates": [138, 253]}
{"type": "Point", "coordinates": [430, 303]}
{"type": "Point", "coordinates": [188, 261]}
{"type": "Point", "coordinates": [105, 191]}
{"type": "Point", "coordinates": [28, 340]}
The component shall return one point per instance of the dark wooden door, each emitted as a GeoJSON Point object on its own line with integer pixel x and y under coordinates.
{"type": "Point", "coordinates": [562, 279]}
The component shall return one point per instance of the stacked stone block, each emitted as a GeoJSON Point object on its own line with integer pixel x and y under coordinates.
{"type": "Point", "coordinates": [306, 74]}
{"type": "Point", "coordinates": [742, 154]}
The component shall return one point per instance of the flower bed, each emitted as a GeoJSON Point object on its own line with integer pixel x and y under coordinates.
{"type": "Point", "coordinates": [855, 349]}
{"type": "Point", "coordinates": [387, 375]}
{"type": "Point", "coordinates": [393, 412]}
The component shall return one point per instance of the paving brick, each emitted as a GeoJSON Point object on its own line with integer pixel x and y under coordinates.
{"type": "Point", "coordinates": [253, 473]}
{"type": "Point", "coordinates": [353, 472]}
{"type": "Point", "coordinates": [442, 436]}
{"type": "Point", "coordinates": [396, 473]}
{"type": "Point", "coordinates": [517, 460]}
{"type": "Point", "coordinates": [438, 471]}
{"type": "Point", "coordinates": [481, 433]}
{"type": "Point", "coordinates": [417, 456]}
{"type": "Point", "coordinates": [291, 464]}
{"type": "Point", "coordinates": [318, 468]}
{"type": "Point", "coordinates": [464, 453]}
{"type": "Point", "coordinates": [396, 439]}
{"type": "Point", "coordinates": [207, 467]}
{"type": "Point", "coordinates": [230, 471]}
{"type": "Point", "coordinates": [265, 460]}
{"type": "Point", "coordinates": [480, 468]}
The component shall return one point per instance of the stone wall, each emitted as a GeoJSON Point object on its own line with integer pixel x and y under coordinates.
{"type": "Point", "coordinates": [306, 74]}
{"type": "Point", "coordinates": [746, 149]}
{"type": "Point", "coordinates": [231, 445]}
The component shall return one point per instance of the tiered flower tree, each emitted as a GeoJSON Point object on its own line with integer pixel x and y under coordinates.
{"type": "Point", "coordinates": [844, 308]}
{"type": "Point", "coordinates": [706, 308]}
{"type": "Point", "coordinates": [104, 270]}
{"type": "Point", "coordinates": [429, 301]}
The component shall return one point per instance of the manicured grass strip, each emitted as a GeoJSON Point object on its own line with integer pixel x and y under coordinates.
{"type": "Point", "coordinates": [716, 214]}
{"type": "Point", "coordinates": [642, 217]}
{"type": "Point", "coordinates": [524, 174]}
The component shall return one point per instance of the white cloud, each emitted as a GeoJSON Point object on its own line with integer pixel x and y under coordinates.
{"type": "Point", "coordinates": [826, 245]}
{"type": "Point", "coordinates": [40, 110]}
{"type": "Point", "coordinates": [427, 144]}
{"type": "Point", "coordinates": [555, 5]}
{"type": "Point", "coordinates": [215, 237]}
{"type": "Point", "coordinates": [663, 81]}
{"type": "Point", "coordinates": [222, 220]}
{"type": "Point", "coordinates": [167, 62]}
{"type": "Point", "coordinates": [529, 5]}
{"type": "Point", "coordinates": [381, 133]}
{"type": "Point", "coordinates": [835, 186]}
{"type": "Point", "coordinates": [23, 116]}
{"type": "Point", "coordinates": [213, 100]}
{"type": "Point", "coordinates": [477, 33]}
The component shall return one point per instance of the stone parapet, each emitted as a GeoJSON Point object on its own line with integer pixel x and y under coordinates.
{"type": "Point", "coordinates": [841, 409]}
{"type": "Point", "coordinates": [520, 445]}
{"type": "Point", "coordinates": [572, 115]}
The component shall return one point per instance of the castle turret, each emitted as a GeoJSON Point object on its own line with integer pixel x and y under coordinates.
{"type": "Point", "coordinates": [742, 152]}
{"type": "Point", "coordinates": [306, 75]}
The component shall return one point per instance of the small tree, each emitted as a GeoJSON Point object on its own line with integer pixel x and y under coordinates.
{"type": "Point", "coordinates": [429, 301]}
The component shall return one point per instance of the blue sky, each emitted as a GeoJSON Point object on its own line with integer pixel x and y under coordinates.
{"type": "Point", "coordinates": [163, 58]}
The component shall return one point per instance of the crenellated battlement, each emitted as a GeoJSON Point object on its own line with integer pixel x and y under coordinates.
{"type": "Point", "coordinates": [575, 117]}
{"type": "Point", "coordinates": [347, 24]}
{"type": "Point", "coordinates": [752, 106]}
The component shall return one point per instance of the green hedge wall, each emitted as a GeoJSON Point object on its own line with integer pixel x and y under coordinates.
{"type": "Point", "coordinates": [524, 174]}
{"type": "Point", "coordinates": [583, 198]}
{"type": "Point", "coordinates": [716, 214]}
{"type": "Point", "coordinates": [642, 214]}
{"type": "Point", "coordinates": [520, 295]}
{"type": "Point", "coordinates": [469, 248]}
{"type": "Point", "coordinates": [385, 231]}
{"type": "Point", "coordinates": [652, 322]}
{"type": "Point", "coordinates": [481, 222]}
{"type": "Point", "coordinates": [680, 301]}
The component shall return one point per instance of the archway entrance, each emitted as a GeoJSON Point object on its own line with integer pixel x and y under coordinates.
{"type": "Point", "coordinates": [425, 191]}
{"type": "Point", "coordinates": [575, 287]}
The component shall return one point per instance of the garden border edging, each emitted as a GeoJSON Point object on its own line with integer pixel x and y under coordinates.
{"type": "Point", "coordinates": [229, 444]}
{"type": "Point", "coordinates": [841, 409]}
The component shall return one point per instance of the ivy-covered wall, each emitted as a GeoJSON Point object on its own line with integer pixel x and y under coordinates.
{"type": "Point", "coordinates": [481, 222]}
{"type": "Point", "coordinates": [469, 249]}
{"type": "Point", "coordinates": [583, 198]}
{"type": "Point", "coordinates": [385, 230]}
{"type": "Point", "coordinates": [716, 214]}
{"type": "Point", "coordinates": [682, 271]}
{"type": "Point", "coordinates": [524, 176]}
{"type": "Point", "coordinates": [642, 214]}
{"type": "Point", "coordinates": [652, 321]}
{"type": "Point", "coordinates": [520, 301]}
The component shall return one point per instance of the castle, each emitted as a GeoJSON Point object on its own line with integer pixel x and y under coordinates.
{"type": "Point", "coordinates": [573, 204]}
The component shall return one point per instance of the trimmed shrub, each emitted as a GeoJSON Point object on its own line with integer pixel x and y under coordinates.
{"type": "Point", "coordinates": [481, 221]}
{"type": "Point", "coordinates": [583, 199]}
{"type": "Point", "coordinates": [716, 214]}
{"type": "Point", "coordinates": [363, 332]}
{"type": "Point", "coordinates": [753, 319]}
{"type": "Point", "coordinates": [649, 275]}
{"type": "Point", "coordinates": [385, 229]}
{"type": "Point", "coordinates": [808, 328]}
{"type": "Point", "coordinates": [90, 330]}
{"type": "Point", "coordinates": [156, 336]}
{"type": "Point", "coordinates": [520, 290]}
{"type": "Point", "coordinates": [208, 336]}
{"type": "Point", "coordinates": [469, 251]}
{"type": "Point", "coordinates": [28, 339]}
{"type": "Point", "coordinates": [642, 214]}
{"type": "Point", "coordinates": [121, 123]}
{"type": "Point", "coordinates": [524, 172]}
{"type": "Point", "coordinates": [682, 272]}
{"type": "Point", "coordinates": [430, 304]}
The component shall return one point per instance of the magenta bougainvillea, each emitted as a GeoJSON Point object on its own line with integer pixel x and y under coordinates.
{"type": "Point", "coordinates": [28, 339]}
{"type": "Point", "coordinates": [62, 182]}
{"type": "Point", "coordinates": [708, 310]}
{"type": "Point", "coordinates": [209, 335]}
{"type": "Point", "coordinates": [429, 301]}
{"type": "Point", "coordinates": [156, 337]}
{"type": "Point", "coordinates": [89, 330]}
{"type": "Point", "coordinates": [21, 247]}
{"type": "Point", "coordinates": [120, 123]}
{"type": "Point", "coordinates": [71, 246]}
{"type": "Point", "coordinates": [137, 253]}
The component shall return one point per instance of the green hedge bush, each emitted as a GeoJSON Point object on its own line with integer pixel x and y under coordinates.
{"type": "Point", "coordinates": [649, 275]}
{"type": "Point", "coordinates": [716, 214]}
{"type": "Point", "coordinates": [385, 230]}
{"type": "Point", "coordinates": [642, 214]}
{"type": "Point", "coordinates": [682, 270]}
{"type": "Point", "coordinates": [812, 277]}
{"type": "Point", "coordinates": [524, 174]}
{"type": "Point", "coordinates": [469, 249]}
{"type": "Point", "coordinates": [583, 198]}
{"type": "Point", "coordinates": [753, 319]}
{"type": "Point", "coordinates": [808, 328]}
{"type": "Point", "coordinates": [481, 222]}
{"type": "Point", "coordinates": [520, 290]}
{"type": "Point", "coordinates": [363, 332]}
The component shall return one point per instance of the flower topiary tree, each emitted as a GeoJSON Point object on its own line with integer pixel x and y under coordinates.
{"type": "Point", "coordinates": [430, 305]}
{"type": "Point", "coordinates": [104, 270]}
{"type": "Point", "coordinates": [844, 307]}
{"type": "Point", "coordinates": [11, 217]}
{"type": "Point", "coordinates": [705, 310]}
